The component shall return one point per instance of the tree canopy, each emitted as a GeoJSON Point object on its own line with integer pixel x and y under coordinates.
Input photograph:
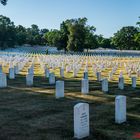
{"type": "Point", "coordinates": [73, 35]}
{"type": "Point", "coordinates": [7, 32]}
{"type": "Point", "coordinates": [11, 35]}
{"type": "Point", "coordinates": [4, 2]}
{"type": "Point", "coordinates": [125, 38]}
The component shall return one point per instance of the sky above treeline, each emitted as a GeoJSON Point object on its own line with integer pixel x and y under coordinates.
{"type": "Point", "coordinates": [108, 16]}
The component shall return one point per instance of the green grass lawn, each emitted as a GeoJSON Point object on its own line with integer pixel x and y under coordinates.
{"type": "Point", "coordinates": [33, 113]}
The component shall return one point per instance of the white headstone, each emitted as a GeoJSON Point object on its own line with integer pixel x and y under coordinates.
{"type": "Point", "coordinates": [31, 70]}
{"type": "Point", "coordinates": [11, 73]}
{"type": "Point", "coordinates": [120, 109]}
{"type": "Point", "coordinates": [86, 69]}
{"type": "Point", "coordinates": [121, 74]}
{"type": "Point", "coordinates": [59, 93]}
{"type": "Point", "coordinates": [105, 85]}
{"type": "Point", "coordinates": [85, 86]}
{"type": "Point", "coordinates": [74, 72]}
{"type": "Point", "coordinates": [62, 72]}
{"type": "Point", "coordinates": [98, 75]}
{"type": "Point", "coordinates": [134, 82]}
{"type": "Point", "coordinates": [81, 120]}
{"type": "Point", "coordinates": [85, 75]}
{"type": "Point", "coordinates": [121, 83]}
{"type": "Point", "coordinates": [67, 69]}
{"type": "Point", "coordinates": [110, 75]}
{"type": "Point", "coordinates": [47, 73]}
{"type": "Point", "coordinates": [3, 80]}
{"type": "Point", "coordinates": [16, 69]}
{"type": "Point", "coordinates": [0, 68]}
{"type": "Point", "coordinates": [29, 79]}
{"type": "Point", "coordinates": [51, 78]}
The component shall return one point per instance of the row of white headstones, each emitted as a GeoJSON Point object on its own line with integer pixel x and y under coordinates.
{"type": "Point", "coordinates": [81, 110]}
{"type": "Point", "coordinates": [99, 64]}
{"type": "Point", "coordinates": [51, 76]}
{"type": "Point", "coordinates": [55, 61]}
{"type": "Point", "coordinates": [81, 116]}
{"type": "Point", "coordinates": [75, 63]}
{"type": "Point", "coordinates": [16, 64]}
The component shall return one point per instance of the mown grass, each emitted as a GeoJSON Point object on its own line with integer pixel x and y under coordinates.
{"type": "Point", "coordinates": [33, 113]}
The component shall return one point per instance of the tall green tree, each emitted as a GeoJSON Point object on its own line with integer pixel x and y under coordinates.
{"type": "Point", "coordinates": [74, 35]}
{"type": "Point", "coordinates": [137, 40]}
{"type": "Point", "coordinates": [53, 38]}
{"type": "Point", "coordinates": [4, 2]}
{"type": "Point", "coordinates": [125, 38]}
{"type": "Point", "coordinates": [99, 39]}
{"type": "Point", "coordinates": [90, 38]}
{"type": "Point", "coordinates": [137, 35]}
{"type": "Point", "coordinates": [76, 38]}
{"type": "Point", "coordinates": [21, 35]}
{"type": "Point", "coordinates": [42, 36]}
{"type": "Point", "coordinates": [64, 35]}
{"type": "Point", "coordinates": [7, 33]}
{"type": "Point", "coordinates": [106, 43]}
{"type": "Point", "coordinates": [33, 35]}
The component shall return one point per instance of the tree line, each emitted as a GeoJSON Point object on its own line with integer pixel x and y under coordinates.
{"type": "Point", "coordinates": [4, 2]}
{"type": "Point", "coordinates": [73, 35]}
{"type": "Point", "coordinates": [76, 35]}
{"type": "Point", "coordinates": [11, 35]}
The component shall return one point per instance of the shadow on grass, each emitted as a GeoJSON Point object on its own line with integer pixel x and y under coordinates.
{"type": "Point", "coordinates": [34, 113]}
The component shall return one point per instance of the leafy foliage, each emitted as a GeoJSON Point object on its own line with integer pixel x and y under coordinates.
{"type": "Point", "coordinates": [73, 35]}
{"type": "Point", "coordinates": [4, 2]}
{"type": "Point", "coordinates": [125, 38]}
{"type": "Point", "coordinates": [7, 32]}
{"type": "Point", "coordinates": [11, 35]}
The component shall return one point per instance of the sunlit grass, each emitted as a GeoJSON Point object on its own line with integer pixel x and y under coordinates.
{"type": "Point", "coordinates": [33, 112]}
